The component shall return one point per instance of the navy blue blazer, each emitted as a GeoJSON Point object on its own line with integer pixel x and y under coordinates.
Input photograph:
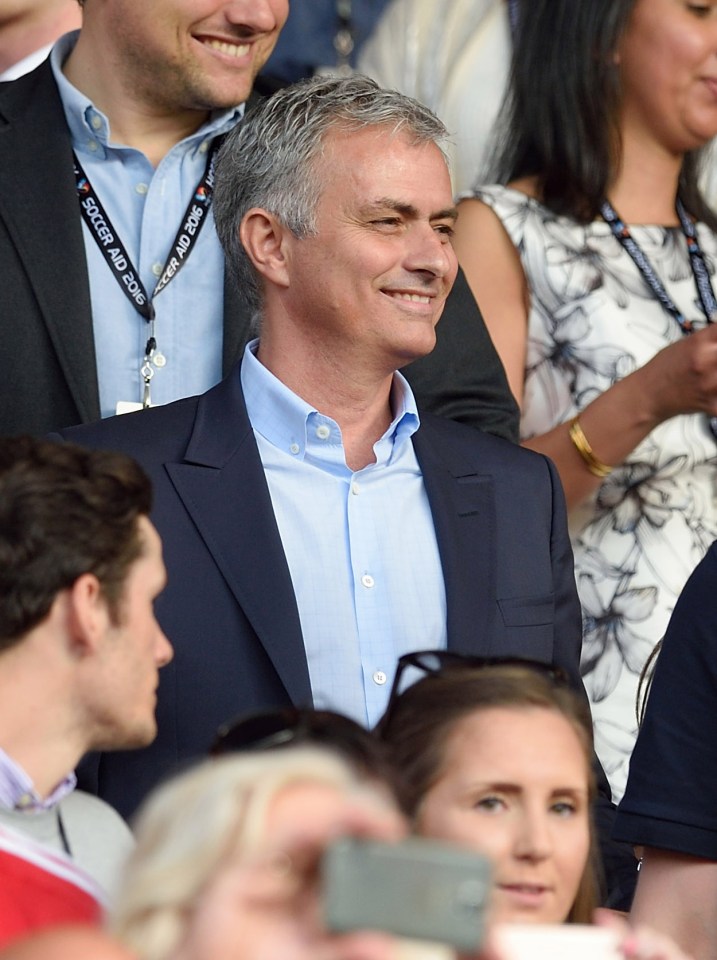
{"type": "Point", "coordinates": [229, 607]}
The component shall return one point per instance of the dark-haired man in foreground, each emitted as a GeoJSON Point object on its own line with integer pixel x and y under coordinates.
{"type": "Point", "coordinates": [80, 648]}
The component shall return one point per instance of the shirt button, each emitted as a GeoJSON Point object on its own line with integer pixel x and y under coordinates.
{"type": "Point", "coordinates": [96, 122]}
{"type": "Point", "coordinates": [204, 146]}
{"type": "Point", "coordinates": [367, 580]}
{"type": "Point", "coordinates": [157, 269]}
{"type": "Point", "coordinates": [141, 188]}
{"type": "Point", "coordinates": [379, 677]}
{"type": "Point", "coordinates": [355, 489]}
{"type": "Point", "coordinates": [294, 448]}
{"type": "Point", "coordinates": [93, 145]}
{"type": "Point", "coordinates": [323, 432]}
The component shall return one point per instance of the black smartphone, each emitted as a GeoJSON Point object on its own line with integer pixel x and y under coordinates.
{"type": "Point", "coordinates": [418, 888]}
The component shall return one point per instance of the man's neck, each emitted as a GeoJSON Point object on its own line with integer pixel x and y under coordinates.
{"type": "Point", "coordinates": [133, 122]}
{"type": "Point", "coordinates": [39, 727]}
{"type": "Point", "coordinates": [359, 401]}
{"type": "Point", "coordinates": [361, 428]}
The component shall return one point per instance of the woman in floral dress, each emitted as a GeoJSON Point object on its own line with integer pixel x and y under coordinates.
{"type": "Point", "coordinates": [593, 269]}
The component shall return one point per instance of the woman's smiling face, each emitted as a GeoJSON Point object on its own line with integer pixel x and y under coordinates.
{"type": "Point", "coordinates": [668, 65]}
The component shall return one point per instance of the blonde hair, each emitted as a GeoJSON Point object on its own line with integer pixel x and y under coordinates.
{"type": "Point", "coordinates": [191, 825]}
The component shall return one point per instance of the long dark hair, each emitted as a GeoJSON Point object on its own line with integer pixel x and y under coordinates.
{"type": "Point", "coordinates": [560, 121]}
{"type": "Point", "coordinates": [423, 717]}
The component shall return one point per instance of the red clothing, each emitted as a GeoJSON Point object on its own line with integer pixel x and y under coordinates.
{"type": "Point", "coordinates": [41, 888]}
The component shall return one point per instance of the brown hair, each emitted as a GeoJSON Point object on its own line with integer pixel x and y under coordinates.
{"type": "Point", "coordinates": [64, 511]}
{"type": "Point", "coordinates": [423, 717]}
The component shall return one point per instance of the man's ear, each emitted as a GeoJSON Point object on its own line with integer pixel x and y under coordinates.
{"type": "Point", "coordinates": [263, 237]}
{"type": "Point", "coordinates": [88, 615]}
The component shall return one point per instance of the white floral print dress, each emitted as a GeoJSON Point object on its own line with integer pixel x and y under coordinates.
{"type": "Point", "coordinates": [592, 321]}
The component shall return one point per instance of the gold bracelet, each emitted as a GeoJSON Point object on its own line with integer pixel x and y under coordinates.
{"type": "Point", "coordinates": [580, 442]}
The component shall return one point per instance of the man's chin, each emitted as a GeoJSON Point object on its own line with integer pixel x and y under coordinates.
{"type": "Point", "coordinates": [418, 350]}
{"type": "Point", "coordinates": [133, 739]}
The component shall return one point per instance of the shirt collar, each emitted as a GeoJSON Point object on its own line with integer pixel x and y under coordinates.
{"type": "Point", "coordinates": [284, 419]}
{"type": "Point", "coordinates": [17, 791]}
{"type": "Point", "coordinates": [88, 125]}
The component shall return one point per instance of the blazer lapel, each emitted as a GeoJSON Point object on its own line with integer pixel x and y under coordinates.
{"type": "Point", "coordinates": [39, 205]}
{"type": "Point", "coordinates": [463, 507]}
{"type": "Point", "coordinates": [222, 485]}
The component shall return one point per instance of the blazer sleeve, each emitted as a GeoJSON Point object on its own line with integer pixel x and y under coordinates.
{"type": "Point", "coordinates": [670, 800]}
{"type": "Point", "coordinates": [568, 617]}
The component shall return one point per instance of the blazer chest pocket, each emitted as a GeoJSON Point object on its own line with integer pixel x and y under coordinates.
{"type": "Point", "coordinates": [527, 611]}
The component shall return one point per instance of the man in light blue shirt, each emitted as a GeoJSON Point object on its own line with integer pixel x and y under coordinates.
{"type": "Point", "coordinates": [332, 418]}
{"type": "Point", "coordinates": [316, 524]}
{"type": "Point", "coordinates": [119, 261]}
{"type": "Point", "coordinates": [147, 89]}
{"type": "Point", "coordinates": [145, 200]}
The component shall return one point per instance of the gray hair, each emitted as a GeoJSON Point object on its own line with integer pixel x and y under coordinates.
{"type": "Point", "coordinates": [269, 160]}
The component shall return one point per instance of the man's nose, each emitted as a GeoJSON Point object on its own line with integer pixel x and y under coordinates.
{"type": "Point", "coordinates": [432, 251]}
{"type": "Point", "coordinates": [164, 651]}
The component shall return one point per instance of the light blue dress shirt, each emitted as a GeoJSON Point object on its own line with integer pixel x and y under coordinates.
{"type": "Point", "coordinates": [146, 207]}
{"type": "Point", "coordinates": [361, 546]}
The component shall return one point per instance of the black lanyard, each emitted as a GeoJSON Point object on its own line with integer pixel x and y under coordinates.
{"type": "Point", "coordinates": [697, 263]}
{"type": "Point", "coordinates": [63, 833]}
{"type": "Point", "coordinates": [700, 272]}
{"type": "Point", "coordinates": [118, 260]}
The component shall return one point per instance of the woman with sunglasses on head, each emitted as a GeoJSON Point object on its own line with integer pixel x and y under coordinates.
{"type": "Point", "coordinates": [592, 264]}
{"type": "Point", "coordinates": [499, 757]}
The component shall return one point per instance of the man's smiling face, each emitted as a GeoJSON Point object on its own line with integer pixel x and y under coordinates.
{"type": "Point", "coordinates": [373, 279]}
{"type": "Point", "coordinates": [192, 54]}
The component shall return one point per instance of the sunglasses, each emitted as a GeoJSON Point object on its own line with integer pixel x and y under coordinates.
{"type": "Point", "coordinates": [438, 662]}
{"type": "Point", "coordinates": [302, 726]}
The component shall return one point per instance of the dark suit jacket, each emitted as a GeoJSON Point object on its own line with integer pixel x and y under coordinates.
{"type": "Point", "coordinates": [229, 607]}
{"type": "Point", "coordinates": [48, 375]}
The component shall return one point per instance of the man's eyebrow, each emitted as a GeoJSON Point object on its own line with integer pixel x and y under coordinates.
{"type": "Point", "coordinates": [408, 210]}
{"type": "Point", "coordinates": [450, 213]}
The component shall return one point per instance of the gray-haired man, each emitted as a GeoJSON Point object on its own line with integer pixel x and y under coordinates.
{"type": "Point", "coordinates": [315, 525]}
